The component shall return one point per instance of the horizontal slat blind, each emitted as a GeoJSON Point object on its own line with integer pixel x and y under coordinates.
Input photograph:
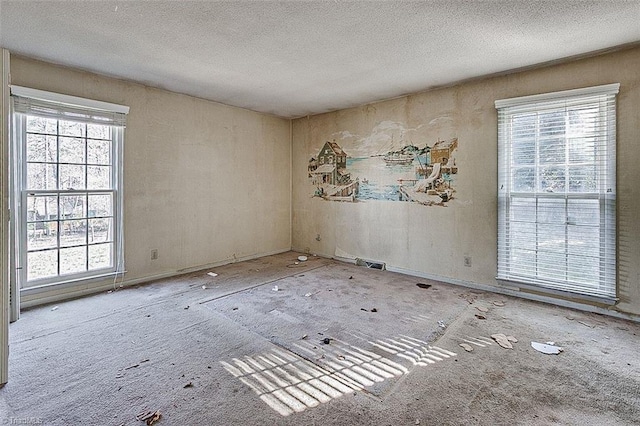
{"type": "Point", "coordinates": [556, 193]}
{"type": "Point", "coordinates": [63, 107]}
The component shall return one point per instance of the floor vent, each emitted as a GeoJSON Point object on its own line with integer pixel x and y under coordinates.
{"type": "Point", "coordinates": [371, 264]}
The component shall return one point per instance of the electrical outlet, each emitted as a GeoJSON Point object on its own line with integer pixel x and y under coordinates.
{"type": "Point", "coordinates": [154, 254]}
{"type": "Point", "coordinates": [467, 261]}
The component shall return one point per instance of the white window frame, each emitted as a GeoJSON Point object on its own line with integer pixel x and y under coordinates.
{"type": "Point", "coordinates": [510, 269]}
{"type": "Point", "coordinates": [67, 108]}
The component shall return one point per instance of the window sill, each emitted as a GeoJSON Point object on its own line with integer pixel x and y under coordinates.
{"type": "Point", "coordinates": [69, 283]}
{"type": "Point", "coordinates": [567, 295]}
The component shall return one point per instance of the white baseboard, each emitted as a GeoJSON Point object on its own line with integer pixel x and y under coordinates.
{"type": "Point", "coordinates": [514, 291]}
{"type": "Point", "coordinates": [52, 294]}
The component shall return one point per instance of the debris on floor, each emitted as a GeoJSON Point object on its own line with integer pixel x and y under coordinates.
{"type": "Point", "coordinates": [149, 417]}
{"type": "Point", "coordinates": [186, 307]}
{"type": "Point", "coordinates": [512, 339]}
{"type": "Point", "coordinates": [421, 285]}
{"type": "Point", "coordinates": [275, 288]}
{"type": "Point", "coordinates": [55, 308]}
{"type": "Point", "coordinates": [204, 287]}
{"type": "Point", "coordinates": [587, 324]}
{"type": "Point", "coordinates": [326, 340]}
{"type": "Point", "coordinates": [502, 340]}
{"type": "Point", "coordinates": [188, 385]}
{"type": "Point", "coordinates": [498, 303]}
{"type": "Point", "coordinates": [304, 336]}
{"type": "Point", "coordinates": [308, 294]}
{"type": "Point", "coordinates": [374, 310]}
{"type": "Point", "coordinates": [442, 324]}
{"type": "Point", "coordinates": [482, 309]}
{"type": "Point", "coordinates": [132, 366]}
{"type": "Point", "coordinates": [470, 298]}
{"type": "Point", "coordinates": [351, 277]}
{"type": "Point", "coordinates": [467, 347]}
{"type": "Point", "coordinates": [302, 258]}
{"type": "Point", "coordinates": [545, 348]}
{"type": "Point", "coordinates": [480, 316]}
{"type": "Point", "coordinates": [212, 274]}
{"type": "Point", "coordinates": [363, 309]}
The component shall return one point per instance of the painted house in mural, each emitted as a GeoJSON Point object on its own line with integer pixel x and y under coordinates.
{"type": "Point", "coordinates": [441, 153]}
{"type": "Point", "coordinates": [330, 166]}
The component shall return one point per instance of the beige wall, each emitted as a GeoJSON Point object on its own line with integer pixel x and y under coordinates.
{"type": "Point", "coordinates": [204, 183]}
{"type": "Point", "coordinates": [432, 241]}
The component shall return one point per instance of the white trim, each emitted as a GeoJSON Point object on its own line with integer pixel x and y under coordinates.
{"type": "Point", "coordinates": [43, 95]}
{"type": "Point", "coordinates": [5, 120]}
{"type": "Point", "coordinates": [499, 288]}
{"type": "Point", "coordinates": [613, 88]}
{"type": "Point", "coordinates": [53, 294]}
{"type": "Point", "coordinates": [520, 294]}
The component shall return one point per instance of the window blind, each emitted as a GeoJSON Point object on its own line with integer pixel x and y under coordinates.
{"type": "Point", "coordinates": [57, 106]}
{"type": "Point", "coordinates": [557, 190]}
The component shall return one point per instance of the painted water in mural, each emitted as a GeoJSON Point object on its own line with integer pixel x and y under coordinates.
{"type": "Point", "coordinates": [384, 168]}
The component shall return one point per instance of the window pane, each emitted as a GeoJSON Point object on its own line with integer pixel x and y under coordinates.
{"type": "Point", "coordinates": [73, 206]}
{"type": "Point", "coordinates": [551, 265]}
{"type": "Point", "coordinates": [41, 176]}
{"type": "Point", "coordinates": [583, 271]}
{"type": "Point", "coordinates": [73, 233]}
{"type": "Point", "coordinates": [552, 211]}
{"type": "Point", "coordinates": [583, 121]}
{"type": "Point", "coordinates": [97, 131]}
{"type": "Point", "coordinates": [72, 176]}
{"type": "Point", "coordinates": [523, 209]}
{"type": "Point", "coordinates": [584, 240]}
{"type": "Point", "coordinates": [582, 150]}
{"type": "Point", "coordinates": [524, 179]}
{"type": "Point", "coordinates": [42, 264]}
{"type": "Point", "coordinates": [71, 128]}
{"type": "Point", "coordinates": [524, 261]}
{"type": "Point", "coordinates": [100, 205]}
{"type": "Point", "coordinates": [42, 125]}
{"type": "Point", "coordinates": [552, 179]}
{"type": "Point", "coordinates": [73, 260]}
{"type": "Point", "coordinates": [42, 207]}
{"type": "Point", "coordinates": [99, 177]}
{"type": "Point", "coordinates": [42, 235]}
{"type": "Point", "coordinates": [523, 151]}
{"type": "Point", "coordinates": [583, 212]}
{"type": "Point", "coordinates": [523, 125]}
{"type": "Point", "coordinates": [582, 179]}
{"type": "Point", "coordinates": [551, 238]}
{"type": "Point", "coordinates": [552, 151]}
{"type": "Point", "coordinates": [522, 235]}
{"type": "Point", "coordinates": [551, 123]}
{"type": "Point", "coordinates": [100, 256]}
{"type": "Point", "coordinates": [71, 150]}
{"type": "Point", "coordinates": [100, 230]}
{"type": "Point", "coordinates": [99, 152]}
{"type": "Point", "coordinates": [41, 148]}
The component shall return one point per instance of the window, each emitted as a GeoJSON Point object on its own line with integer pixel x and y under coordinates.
{"type": "Point", "coordinates": [68, 188]}
{"type": "Point", "coordinates": [557, 191]}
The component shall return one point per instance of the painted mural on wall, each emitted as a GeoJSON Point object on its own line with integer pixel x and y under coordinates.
{"type": "Point", "coordinates": [385, 165]}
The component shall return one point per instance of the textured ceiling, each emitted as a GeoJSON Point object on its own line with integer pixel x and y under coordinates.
{"type": "Point", "coordinates": [297, 58]}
